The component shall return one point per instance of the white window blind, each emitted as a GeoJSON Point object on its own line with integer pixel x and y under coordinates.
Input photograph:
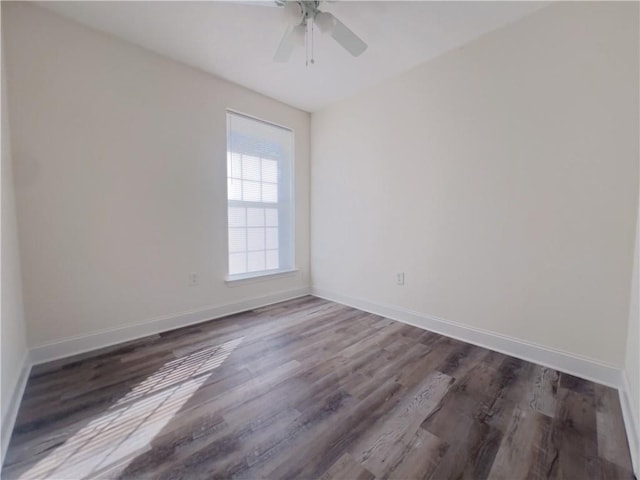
{"type": "Point", "coordinates": [259, 197]}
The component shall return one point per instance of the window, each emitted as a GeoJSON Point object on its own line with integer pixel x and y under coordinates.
{"type": "Point", "coordinates": [259, 197]}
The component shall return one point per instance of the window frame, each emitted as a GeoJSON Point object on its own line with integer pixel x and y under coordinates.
{"type": "Point", "coordinates": [283, 239]}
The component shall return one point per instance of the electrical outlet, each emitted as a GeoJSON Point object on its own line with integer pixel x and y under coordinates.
{"type": "Point", "coordinates": [400, 278]}
{"type": "Point", "coordinates": [193, 279]}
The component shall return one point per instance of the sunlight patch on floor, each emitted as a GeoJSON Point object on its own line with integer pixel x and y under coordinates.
{"type": "Point", "coordinates": [135, 419]}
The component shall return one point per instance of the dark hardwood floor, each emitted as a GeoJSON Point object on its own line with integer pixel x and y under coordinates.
{"type": "Point", "coordinates": [312, 389]}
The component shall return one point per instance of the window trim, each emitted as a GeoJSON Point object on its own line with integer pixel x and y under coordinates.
{"type": "Point", "coordinates": [250, 277]}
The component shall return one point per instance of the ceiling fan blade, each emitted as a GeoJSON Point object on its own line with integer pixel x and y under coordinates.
{"type": "Point", "coordinates": [353, 44]}
{"type": "Point", "coordinates": [254, 3]}
{"type": "Point", "coordinates": [293, 37]}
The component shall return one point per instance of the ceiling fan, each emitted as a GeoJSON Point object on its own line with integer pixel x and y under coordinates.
{"type": "Point", "coordinates": [306, 14]}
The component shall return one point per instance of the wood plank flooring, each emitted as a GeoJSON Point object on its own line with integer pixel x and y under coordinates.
{"type": "Point", "coordinates": [312, 389]}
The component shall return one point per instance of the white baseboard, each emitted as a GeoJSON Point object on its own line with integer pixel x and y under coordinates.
{"type": "Point", "coordinates": [573, 364]}
{"type": "Point", "coordinates": [631, 423]}
{"type": "Point", "coordinates": [11, 413]}
{"type": "Point", "coordinates": [106, 338]}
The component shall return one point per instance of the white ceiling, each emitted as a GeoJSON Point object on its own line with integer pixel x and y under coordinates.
{"type": "Point", "coordinates": [236, 40]}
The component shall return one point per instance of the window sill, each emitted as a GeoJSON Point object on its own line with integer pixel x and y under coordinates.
{"type": "Point", "coordinates": [235, 280]}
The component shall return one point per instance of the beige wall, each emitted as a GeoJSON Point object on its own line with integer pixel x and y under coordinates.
{"type": "Point", "coordinates": [502, 178]}
{"type": "Point", "coordinates": [120, 166]}
{"type": "Point", "coordinates": [632, 358]}
{"type": "Point", "coordinates": [13, 347]}
{"type": "Point", "coordinates": [499, 177]}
